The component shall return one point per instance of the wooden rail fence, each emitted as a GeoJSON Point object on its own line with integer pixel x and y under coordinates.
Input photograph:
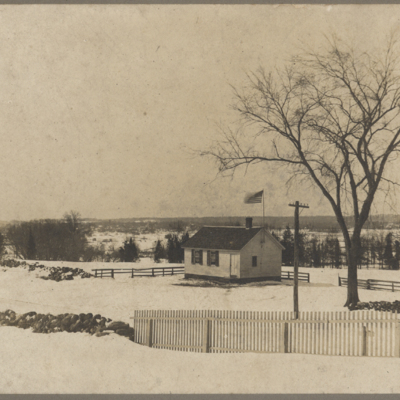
{"type": "Point", "coordinates": [163, 271]}
{"type": "Point", "coordinates": [303, 276]}
{"type": "Point", "coordinates": [356, 333]}
{"type": "Point", "coordinates": [373, 284]}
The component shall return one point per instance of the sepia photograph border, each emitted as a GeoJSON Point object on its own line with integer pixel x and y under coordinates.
{"type": "Point", "coordinates": [197, 396]}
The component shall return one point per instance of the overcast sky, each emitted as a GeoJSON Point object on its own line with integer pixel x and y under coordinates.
{"type": "Point", "coordinates": [100, 105]}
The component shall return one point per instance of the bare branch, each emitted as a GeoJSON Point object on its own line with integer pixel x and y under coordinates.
{"type": "Point", "coordinates": [332, 117]}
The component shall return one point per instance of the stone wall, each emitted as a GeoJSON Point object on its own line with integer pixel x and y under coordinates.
{"type": "Point", "coordinates": [48, 323]}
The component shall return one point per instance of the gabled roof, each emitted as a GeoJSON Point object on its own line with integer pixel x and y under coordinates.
{"type": "Point", "coordinates": [223, 238]}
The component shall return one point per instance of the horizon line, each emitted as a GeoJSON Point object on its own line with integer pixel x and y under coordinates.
{"type": "Point", "coordinates": [195, 217]}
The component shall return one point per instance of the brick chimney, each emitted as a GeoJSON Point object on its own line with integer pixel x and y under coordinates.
{"type": "Point", "coordinates": [249, 223]}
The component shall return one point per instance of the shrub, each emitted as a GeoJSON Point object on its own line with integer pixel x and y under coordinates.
{"type": "Point", "coordinates": [175, 252]}
{"type": "Point", "coordinates": [159, 251]}
{"type": "Point", "coordinates": [129, 252]}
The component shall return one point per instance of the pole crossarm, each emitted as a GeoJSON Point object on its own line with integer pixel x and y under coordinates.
{"type": "Point", "coordinates": [299, 205]}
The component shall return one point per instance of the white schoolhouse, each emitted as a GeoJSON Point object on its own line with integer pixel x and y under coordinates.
{"type": "Point", "coordinates": [240, 254]}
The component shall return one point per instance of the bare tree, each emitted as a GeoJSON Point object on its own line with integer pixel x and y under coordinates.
{"type": "Point", "coordinates": [73, 219]}
{"type": "Point", "coordinates": [64, 239]}
{"type": "Point", "coordinates": [332, 117]}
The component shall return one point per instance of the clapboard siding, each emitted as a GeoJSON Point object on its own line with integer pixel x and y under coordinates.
{"type": "Point", "coordinates": [269, 258]}
{"type": "Point", "coordinates": [221, 271]}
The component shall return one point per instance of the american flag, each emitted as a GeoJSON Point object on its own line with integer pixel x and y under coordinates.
{"type": "Point", "coordinates": [252, 198]}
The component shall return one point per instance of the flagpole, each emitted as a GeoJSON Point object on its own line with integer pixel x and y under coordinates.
{"type": "Point", "coordinates": [263, 209]}
{"type": "Point", "coordinates": [263, 225]}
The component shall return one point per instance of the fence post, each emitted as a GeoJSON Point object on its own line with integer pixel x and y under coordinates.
{"type": "Point", "coordinates": [163, 272]}
{"type": "Point", "coordinates": [284, 344]}
{"type": "Point", "coordinates": [340, 281]}
{"type": "Point", "coordinates": [206, 336]}
{"type": "Point", "coordinates": [397, 338]}
{"type": "Point", "coordinates": [364, 341]}
{"type": "Point", "coordinates": [149, 338]}
{"type": "Point", "coordinates": [112, 273]}
{"type": "Point", "coordinates": [152, 272]}
{"type": "Point", "coordinates": [308, 277]}
{"type": "Point", "coordinates": [132, 273]}
{"type": "Point", "coordinates": [172, 271]}
{"type": "Point", "coordinates": [368, 284]}
{"type": "Point", "coordinates": [392, 286]}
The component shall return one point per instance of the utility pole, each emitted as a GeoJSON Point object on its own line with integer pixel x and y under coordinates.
{"type": "Point", "coordinates": [296, 206]}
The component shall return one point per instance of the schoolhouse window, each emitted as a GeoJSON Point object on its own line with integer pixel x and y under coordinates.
{"type": "Point", "coordinates": [254, 261]}
{"type": "Point", "coordinates": [198, 257]}
{"type": "Point", "coordinates": [213, 258]}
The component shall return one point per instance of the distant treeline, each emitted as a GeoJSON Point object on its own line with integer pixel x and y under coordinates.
{"type": "Point", "coordinates": [376, 249]}
{"type": "Point", "coordinates": [66, 240]}
{"type": "Point", "coordinates": [135, 226]}
{"type": "Point", "coordinates": [49, 239]}
{"type": "Point", "coordinates": [62, 240]}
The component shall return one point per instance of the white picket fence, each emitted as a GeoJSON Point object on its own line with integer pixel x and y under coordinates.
{"type": "Point", "coordinates": [355, 333]}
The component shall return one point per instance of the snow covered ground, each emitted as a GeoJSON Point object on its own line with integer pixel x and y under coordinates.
{"type": "Point", "coordinates": [80, 363]}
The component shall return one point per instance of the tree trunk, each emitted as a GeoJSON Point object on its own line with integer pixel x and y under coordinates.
{"type": "Point", "coordinates": [352, 257]}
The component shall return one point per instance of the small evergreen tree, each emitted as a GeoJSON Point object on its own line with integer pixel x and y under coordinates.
{"type": "Point", "coordinates": [175, 252]}
{"type": "Point", "coordinates": [380, 249]}
{"type": "Point", "coordinates": [185, 237]}
{"type": "Point", "coordinates": [159, 251]}
{"type": "Point", "coordinates": [129, 252]}
{"type": "Point", "coordinates": [397, 254]}
{"type": "Point", "coordinates": [323, 251]}
{"type": "Point", "coordinates": [288, 243]}
{"type": "Point", "coordinates": [329, 250]}
{"type": "Point", "coordinates": [337, 253]}
{"type": "Point", "coordinates": [315, 253]}
{"type": "Point", "coordinates": [303, 254]}
{"type": "Point", "coordinates": [388, 253]}
{"type": "Point", "coordinates": [171, 249]}
{"type": "Point", "coordinates": [372, 251]}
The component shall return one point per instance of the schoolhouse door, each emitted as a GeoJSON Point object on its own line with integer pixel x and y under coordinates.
{"type": "Point", "coordinates": [234, 265]}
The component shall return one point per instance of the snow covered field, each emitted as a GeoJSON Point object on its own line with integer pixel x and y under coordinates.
{"type": "Point", "coordinates": [145, 241]}
{"type": "Point", "coordinates": [80, 363]}
{"type": "Point", "coordinates": [116, 239]}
